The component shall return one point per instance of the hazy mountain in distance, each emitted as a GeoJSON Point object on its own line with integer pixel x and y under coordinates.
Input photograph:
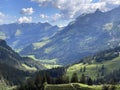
{"type": "Point", "coordinates": [19, 36]}
{"type": "Point", "coordinates": [88, 34]}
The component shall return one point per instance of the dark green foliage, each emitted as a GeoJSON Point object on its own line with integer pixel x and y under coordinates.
{"type": "Point", "coordinates": [51, 76]}
{"type": "Point", "coordinates": [62, 80]}
{"type": "Point", "coordinates": [33, 84]}
{"type": "Point", "coordinates": [107, 55]}
{"type": "Point", "coordinates": [81, 70]}
{"type": "Point", "coordinates": [55, 72]}
{"type": "Point", "coordinates": [89, 81]}
{"type": "Point", "coordinates": [113, 77]}
{"type": "Point", "coordinates": [112, 87]}
{"type": "Point", "coordinates": [102, 70]}
{"type": "Point", "coordinates": [83, 79]}
{"type": "Point", "coordinates": [102, 56]}
{"type": "Point", "coordinates": [12, 75]}
{"type": "Point", "coordinates": [105, 87]}
{"type": "Point", "coordinates": [74, 78]}
{"type": "Point", "coordinates": [84, 69]}
{"type": "Point", "coordinates": [108, 87]}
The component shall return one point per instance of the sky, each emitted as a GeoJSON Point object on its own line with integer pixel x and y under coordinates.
{"type": "Point", "coordinates": [55, 12]}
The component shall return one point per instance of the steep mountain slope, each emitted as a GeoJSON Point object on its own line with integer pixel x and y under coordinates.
{"type": "Point", "coordinates": [20, 35]}
{"type": "Point", "coordinates": [11, 58]}
{"type": "Point", "coordinates": [10, 75]}
{"type": "Point", "coordinates": [86, 35]}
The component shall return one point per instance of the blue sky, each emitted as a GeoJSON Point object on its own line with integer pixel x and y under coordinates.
{"type": "Point", "coordinates": [56, 12]}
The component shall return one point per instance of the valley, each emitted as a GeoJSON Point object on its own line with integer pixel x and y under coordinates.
{"type": "Point", "coordinates": [84, 54]}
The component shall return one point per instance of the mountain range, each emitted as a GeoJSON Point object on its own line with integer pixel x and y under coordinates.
{"type": "Point", "coordinates": [19, 36]}
{"type": "Point", "coordinates": [88, 34]}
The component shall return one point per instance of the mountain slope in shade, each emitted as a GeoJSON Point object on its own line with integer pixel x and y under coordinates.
{"type": "Point", "coordinates": [11, 76]}
{"type": "Point", "coordinates": [20, 35]}
{"type": "Point", "coordinates": [11, 58]}
{"type": "Point", "coordinates": [86, 35]}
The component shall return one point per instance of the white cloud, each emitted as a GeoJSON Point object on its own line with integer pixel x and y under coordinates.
{"type": "Point", "coordinates": [1, 15]}
{"type": "Point", "coordinates": [56, 17]}
{"type": "Point", "coordinates": [113, 2]}
{"type": "Point", "coordinates": [70, 9]}
{"type": "Point", "coordinates": [27, 11]}
{"type": "Point", "coordinates": [44, 16]}
{"type": "Point", "coordinates": [25, 19]}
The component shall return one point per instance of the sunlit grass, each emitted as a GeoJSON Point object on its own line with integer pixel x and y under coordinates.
{"type": "Point", "coordinates": [38, 45]}
{"type": "Point", "coordinates": [29, 68]}
{"type": "Point", "coordinates": [92, 69]}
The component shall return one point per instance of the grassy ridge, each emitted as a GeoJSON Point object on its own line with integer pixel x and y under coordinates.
{"type": "Point", "coordinates": [75, 86]}
{"type": "Point", "coordinates": [92, 69]}
{"type": "Point", "coordinates": [72, 86]}
{"type": "Point", "coordinates": [3, 87]}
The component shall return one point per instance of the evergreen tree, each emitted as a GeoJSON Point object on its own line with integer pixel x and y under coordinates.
{"type": "Point", "coordinates": [84, 69]}
{"type": "Point", "coordinates": [105, 87]}
{"type": "Point", "coordinates": [74, 78]}
{"type": "Point", "coordinates": [81, 69]}
{"type": "Point", "coordinates": [89, 81]}
{"type": "Point", "coordinates": [112, 87]}
{"type": "Point", "coordinates": [83, 79]}
{"type": "Point", "coordinates": [47, 78]}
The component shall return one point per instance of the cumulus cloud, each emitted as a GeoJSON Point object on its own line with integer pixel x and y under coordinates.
{"type": "Point", "coordinates": [70, 9]}
{"type": "Point", "coordinates": [56, 17]}
{"type": "Point", "coordinates": [25, 19]}
{"type": "Point", "coordinates": [1, 15]}
{"type": "Point", "coordinates": [44, 16]}
{"type": "Point", "coordinates": [113, 2]}
{"type": "Point", "coordinates": [27, 11]}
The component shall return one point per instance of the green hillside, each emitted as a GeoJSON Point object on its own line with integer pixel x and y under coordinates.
{"type": "Point", "coordinates": [2, 87]}
{"type": "Point", "coordinates": [92, 69]}
{"type": "Point", "coordinates": [5, 87]}
{"type": "Point", "coordinates": [98, 65]}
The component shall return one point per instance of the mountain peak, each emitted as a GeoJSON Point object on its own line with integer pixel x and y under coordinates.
{"type": "Point", "coordinates": [98, 11]}
{"type": "Point", "coordinates": [2, 42]}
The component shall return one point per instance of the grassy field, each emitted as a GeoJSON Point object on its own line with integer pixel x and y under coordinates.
{"type": "Point", "coordinates": [75, 86]}
{"type": "Point", "coordinates": [71, 86]}
{"type": "Point", "coordinates": [29, 68]}
{"type": "Point", "coordinates": [3, 87]}
{"type": "Point", "coordinates": [92, 70]}
{"type": "Point", "coordinates": [38, 45]}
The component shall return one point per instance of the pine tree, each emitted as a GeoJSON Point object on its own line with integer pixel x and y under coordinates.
{"type": "Point", "coordinates": [74, 78]}
{"type": "Point", "coordinates": [81, 69]}
{"type": "Point", "coordinates": [89, 81]}
{"type": "Point", "coordinates": [83, 79]}
{"type": "Point", "coordinates": [112, 87]}
{"type": "Point", "coordinates": [105, 87]}
{"type": "Point", "coordinates": [84, 69]}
